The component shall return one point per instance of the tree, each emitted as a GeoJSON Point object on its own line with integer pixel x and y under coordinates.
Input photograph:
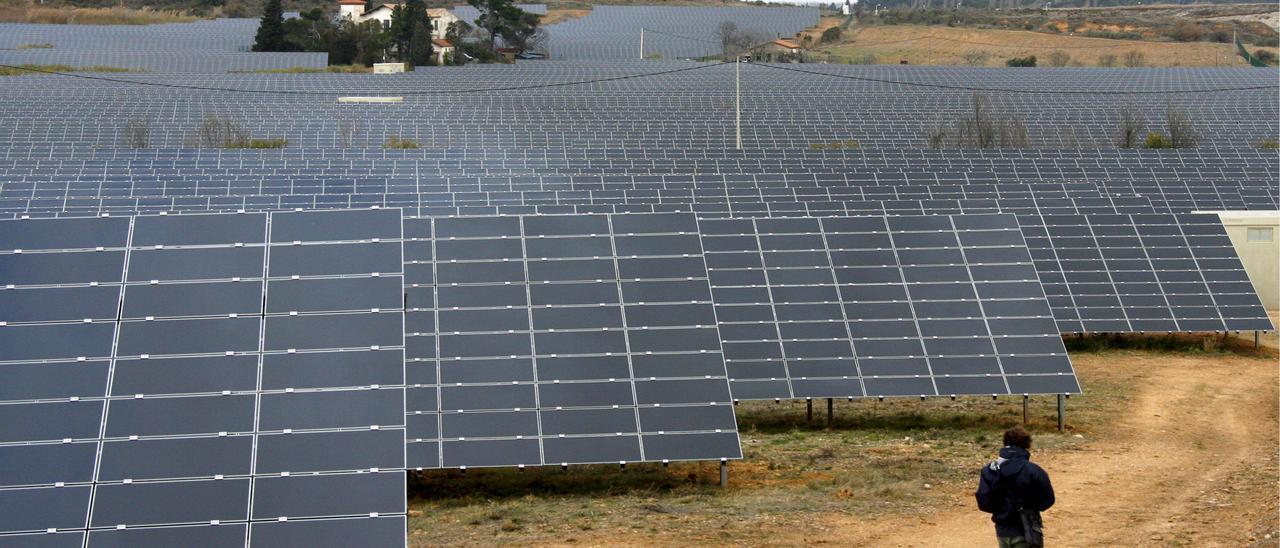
{"type": "Point", "coordinates": [1132, 124]}
{"type": "Point", "coordinates": [271, 30]}
{"type": "Point", "coordinates": [503, 18]}
{"type": "Point", "coordinates": [420, 52]}
{"type": "Point", "coordinates": [523, 33]}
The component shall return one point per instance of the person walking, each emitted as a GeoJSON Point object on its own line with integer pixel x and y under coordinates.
{"type": "Point", "coordinates": [1014, 491]}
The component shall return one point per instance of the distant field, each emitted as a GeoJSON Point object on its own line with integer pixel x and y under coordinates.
{"type": "Point", "coordinates": [23, 13]}
{"type": "Point", "coordinates": [939, 45]}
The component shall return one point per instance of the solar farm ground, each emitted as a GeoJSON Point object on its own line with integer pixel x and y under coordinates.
{"type": "Point", "coordinates": [1171, 444]}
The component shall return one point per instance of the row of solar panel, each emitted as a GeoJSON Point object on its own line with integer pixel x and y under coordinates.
{"type": "Point", "coordinates": [287, 425]}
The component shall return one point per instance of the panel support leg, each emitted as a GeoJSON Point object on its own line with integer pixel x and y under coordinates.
{"type": "Point", "coordinates": [808, 414]}
{"type": "Point", "coordinates": [831, 413]}
{"type": "Point", "coordinates": [1257, 340]}
{"type": "Point", "coordinates": [1025, 400]}
{"type": "Point", "coordinates": [1062, 412]}
{"type": "Point", "coordinates": [724, 473]}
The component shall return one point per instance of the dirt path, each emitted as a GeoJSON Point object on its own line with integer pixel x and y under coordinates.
{"type": "Point", "coordinates": [1193, 463]}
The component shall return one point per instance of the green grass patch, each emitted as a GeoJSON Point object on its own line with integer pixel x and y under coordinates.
{"type": "Point", "coordinates": [45, 45]}
{"type": "Point", "coordinates": [395, 141]}
{"type": "Point", "coordinates": [259, 144]}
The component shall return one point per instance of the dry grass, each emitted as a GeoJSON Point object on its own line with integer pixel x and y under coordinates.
{"type": "Point", "coordinates": [331, 69]}
{"type": "Point", "coordinates": [554, 16]}
{"type": "Point", "coordinates": [21, 13]}
{"type": "Point", "coordinates": [936, 45]}
{"type": "Point", "coordinates": [404, 143]}
{"type": "Point", "coordinates": [38, 70]}
{"type": "Point", "coordinates": [45, 45]}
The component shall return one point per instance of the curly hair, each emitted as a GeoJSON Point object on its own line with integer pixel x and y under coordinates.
{"type": "Point", "coordinates": [1017, 437]}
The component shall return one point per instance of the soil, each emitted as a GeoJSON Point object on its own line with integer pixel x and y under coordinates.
{"type": "Point", "coordinates": [1192, 463]}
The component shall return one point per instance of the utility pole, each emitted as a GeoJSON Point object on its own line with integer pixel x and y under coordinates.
{"type": "Point", "coordinates": [737, 105]}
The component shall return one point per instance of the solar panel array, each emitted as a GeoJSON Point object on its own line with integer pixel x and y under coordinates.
{"type": "Point", "coordinates": [562, 339]}
{"type": "Point", "coordinates": [684, 110]}
{"type": "Point", "coordinates": [253, 362]}
{"type": "Point", "coordinates": [573, 274]}
{"type": "Point", "coordinates": [204, 46]}
{"type": "Point", "coordinates": [882, 306]}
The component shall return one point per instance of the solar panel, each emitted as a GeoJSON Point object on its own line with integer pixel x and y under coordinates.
{"type": "Point", "coordinates": [561, 340]}
{"type": "Point", "coordinates": [882, 306]}
{"type": "Point", "coordinates": [152, 376]}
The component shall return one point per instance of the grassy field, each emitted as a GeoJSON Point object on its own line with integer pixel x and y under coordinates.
{"type": "Point", "coordinates": [939, 45]}
{"type": "Point", "coordinates": [331, 69]}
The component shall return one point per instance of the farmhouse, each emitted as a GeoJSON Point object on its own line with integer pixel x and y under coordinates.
{"type": "Point", "coordinates": [778, 51]}
{"type": "Point", "coordinates": [353, 10]}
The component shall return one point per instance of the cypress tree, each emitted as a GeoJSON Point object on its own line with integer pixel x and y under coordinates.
{"type": "Point", "coordinates": [271, 30]}
{"type": "Point", "coordinates": [420, 51]}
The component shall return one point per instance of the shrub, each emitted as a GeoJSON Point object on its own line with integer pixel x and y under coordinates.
{"type": "Point", "coordinates": [395, 141]}
{"type": "Point", "coordinates": [1269, 144]}
{"type": "Point", "coordinates": [45, 45]}
{"type": "Point", "coordinates": [1265, 56]}
{"type": "Point", "coordinates": [1059, 58]}
{"type": "Point", "coordinates": [1107, 60]}
{"type": "Point", "coordinates": [975, 58]}
{"type": "Point", "coordinates": [278, 142]}
{"type": "Point", "coordinates": [1021, 61]}
{"type": "Point", "coordinates": [1156, 139]}
{"type": "Point", "coordinates": [1135, 59]}
{"type": "Point", "coordinates": [220, 132]}
{"type": "Point", "coordinates": [1187, 31]}
{"type": "Point", "coordinates": [830, 35]}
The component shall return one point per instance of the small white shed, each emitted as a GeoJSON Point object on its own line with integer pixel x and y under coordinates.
{"type": "Point", "coordinates": [1256, 237]}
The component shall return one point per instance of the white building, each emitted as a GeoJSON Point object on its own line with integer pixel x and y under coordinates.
{"type": "Point", "coordinates": [353, 10]}
{"type": "Point", "coordinates": [847, 7]}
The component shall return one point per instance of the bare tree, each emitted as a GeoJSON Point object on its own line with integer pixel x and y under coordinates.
{"type": "Point", "coordinates": [728, 31]}
{"type": "Point", "coordinates": [1132, 124]}
{"type": "Point", "coordinates": [137, 134]}
{"type": "Point", "coordinates": [1182, 133]}
{"type": "Point", "coordinates": [1059, 58]}
{"type": "Point", "coordinates": [935, 133]}
{"type": "Point", "coordinates": [221, 132]}
{"type": "Point", "coordinates": [1134, 59]}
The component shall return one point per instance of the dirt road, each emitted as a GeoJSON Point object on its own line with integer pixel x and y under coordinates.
{"type": "Point", "coordinates": [1194, 463]}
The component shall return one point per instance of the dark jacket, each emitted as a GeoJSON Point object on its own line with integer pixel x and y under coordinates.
{"type": "Point", "coordinates": [1009, 482]}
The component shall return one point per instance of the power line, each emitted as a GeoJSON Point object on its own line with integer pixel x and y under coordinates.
{"type": "Point", "coordinates": [1011, 90]}
{"type": "Point", "coordinates": [331, 93]}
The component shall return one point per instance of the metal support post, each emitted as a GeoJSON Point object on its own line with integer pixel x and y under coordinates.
{"type": "Point", "coordinates": [831, 413]}
{"type": "Point", "coordinates": [1062, 412]}
{"type": "Point", "coordinates": [724, 473]}
{"type": "Point", "coordinates": [641, 43]}
{"type": "Point", "coordinates": [737, 101]}
{"type": "Point", "coordinates": [1025, 400]}
{"type": "Point", "coordinates": [1257, 340]}
{"type": "Point", "coordinates": [808, 412]}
